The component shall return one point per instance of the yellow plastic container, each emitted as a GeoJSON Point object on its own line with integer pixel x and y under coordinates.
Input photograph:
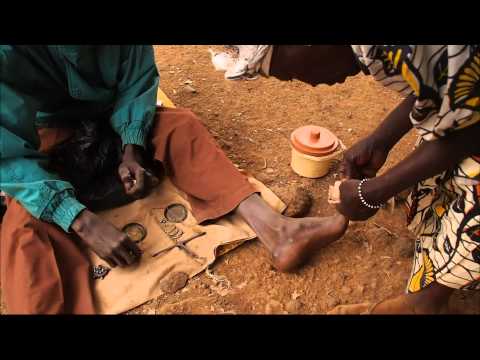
{"type": "Point", "coordinates": [314, 149]}
{"type": "Point", "coordinates": [313, 167]}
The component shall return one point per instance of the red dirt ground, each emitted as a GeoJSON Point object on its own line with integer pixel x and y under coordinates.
{"type": "Point", "coordinates": [252, 121]}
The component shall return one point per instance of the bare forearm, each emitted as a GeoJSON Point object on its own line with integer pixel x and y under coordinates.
{"type": "Point", "coordinates": [395, 125]}
{"type": "Point", "coordinates": [431, 158]}
{"type": "Point", "coordinates": [367, 157]}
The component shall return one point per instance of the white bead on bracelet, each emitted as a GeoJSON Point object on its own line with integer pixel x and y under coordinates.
{"type": "Point", "coordinates": [362, 199]}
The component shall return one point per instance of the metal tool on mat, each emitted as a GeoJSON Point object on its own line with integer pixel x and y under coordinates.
{"type": "Point", "coordinates": [182, 246]}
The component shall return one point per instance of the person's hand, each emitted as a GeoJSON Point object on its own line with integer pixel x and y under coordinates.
{"type": "Point", "coordinates": [350, 204]}
{"type": "Point", "coordinates": [135, 178]}
{"type": "Point", "coordinates": [110, 244]}
{"type": "Point", "coordinates": [364, 159]}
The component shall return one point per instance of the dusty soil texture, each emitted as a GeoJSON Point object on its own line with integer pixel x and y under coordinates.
{"type": "Point", "coordinates": [252, 121]}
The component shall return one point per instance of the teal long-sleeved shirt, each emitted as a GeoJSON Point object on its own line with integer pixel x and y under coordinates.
{"type": "Point", "coordinates": [57, 86]}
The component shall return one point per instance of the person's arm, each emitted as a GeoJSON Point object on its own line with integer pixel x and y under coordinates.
{"type": "Point", "coordinates": [135, 104]}
{"type": "Point", "coordinates": [429, 159]}
{"type": "Point", "coordinates": [366, 157]}
{"type": "Point", "coordinates": [133, 113]}
{"type": "Point", "coordinates": [396, 125]}
{"type": "Point", "coordinates": [24, 177]}
{"type": "Point", "coordinates": [46, 197]}
{"type": "Point", "coordinates": [22, 168]}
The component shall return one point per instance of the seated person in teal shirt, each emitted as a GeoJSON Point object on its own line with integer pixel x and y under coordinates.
{"type": "Point", "coordinates": [46, 229]}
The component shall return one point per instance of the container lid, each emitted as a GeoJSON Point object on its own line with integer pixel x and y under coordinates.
{"type": "Point", "coordinates": [314, 140]}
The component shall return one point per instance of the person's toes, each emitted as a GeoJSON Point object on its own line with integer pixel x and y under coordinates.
{"type": "Point", "coordinates": [356, 309]}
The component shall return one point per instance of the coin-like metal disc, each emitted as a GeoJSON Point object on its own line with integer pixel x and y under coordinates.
{"type": "Point", "coordinates": [135, 232]}
{"type": "Point", "coordinates": [176, 213]}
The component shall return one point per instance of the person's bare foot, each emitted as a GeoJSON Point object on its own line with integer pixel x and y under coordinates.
{"type": "Point", "coordinates": [301, 238]}
{"type": "Point", "coordinates": [430, 301]}
{"type": "Point", "coordinates": [290, 241]}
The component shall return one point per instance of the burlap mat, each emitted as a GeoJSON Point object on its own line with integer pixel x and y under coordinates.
{"type": "Point", "coordinates": [124, 289]}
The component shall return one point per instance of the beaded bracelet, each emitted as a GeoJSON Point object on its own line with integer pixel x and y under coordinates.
{"type": "Point", "coordinates": [362, 199]}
